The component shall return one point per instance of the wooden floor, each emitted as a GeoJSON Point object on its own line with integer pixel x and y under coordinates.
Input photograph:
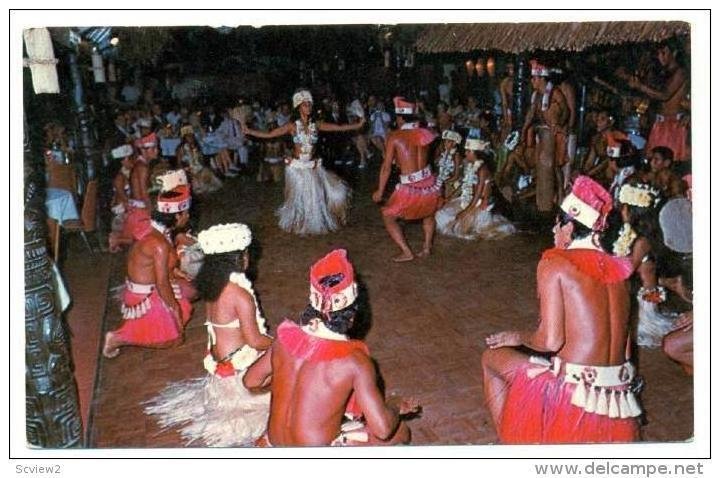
{"type": "Point", "coordinates": [429, 319]}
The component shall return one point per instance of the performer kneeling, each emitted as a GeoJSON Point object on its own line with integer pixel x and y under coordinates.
{"type": "Point", "coordinates": [470, 216]}
{"type": "Point", "coordinates": [217, 409]}
{"type": "Point", "coordinates": [584, 392]}
{"type": "Point", "coordinates": [324, 384]}
{"type": "Point", "coordinates": [155, 303]}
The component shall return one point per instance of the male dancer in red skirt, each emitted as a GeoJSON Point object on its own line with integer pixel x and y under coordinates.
{"type": "Point", "coordinates": [156, 306]}
{"type": "Point", "coordinates": [577, 385]}
{"type": "Point", "coordinates": [416, 196]}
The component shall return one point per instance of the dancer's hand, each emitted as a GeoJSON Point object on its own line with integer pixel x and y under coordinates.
{"type": "Point", "coordinates": [404, 406]}
{"type": "Point", "coordinates": [684, 323]}
{"type": "Point", "coordinates": [508, 338]}
{"type": "Point", "coordinates": [377, 196]}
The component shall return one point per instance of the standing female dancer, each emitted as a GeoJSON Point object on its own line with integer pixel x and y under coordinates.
{"type": "Point", "coordinates": [316, 200]}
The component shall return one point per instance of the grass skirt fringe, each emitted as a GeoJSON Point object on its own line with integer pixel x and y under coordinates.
{"type": "Point", "coordinates": [212, 411]}
{"type": "Point", "coordinates": [316, 201]}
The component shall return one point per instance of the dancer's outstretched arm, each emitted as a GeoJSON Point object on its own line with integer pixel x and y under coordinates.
{"type": "Point", "coordinates": [275, 133]}
{"type": "Point", "coordinates": [336, 128]}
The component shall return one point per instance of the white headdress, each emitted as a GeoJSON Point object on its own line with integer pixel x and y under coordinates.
{"type": "Point", "coordinates": [476, 144]}
{"type": "Point", "coordinates": [225, 238]}
{"type": "Point", "coordinates": [144, 123]}
{"type": "Point", "coordinates": [171, 180]}
{"type": "Point", "coordinates": [122, 152]}
{"type": "Point", "coordinates": [452, 136]}
{"type": "Point", "coordinates": [300, 97]}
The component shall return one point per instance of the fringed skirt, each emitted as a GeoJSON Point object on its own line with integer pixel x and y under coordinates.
{"type": "Point", "coordinates": [652, 324]}
{"type": "Point", "coordinates": [316, 200]}
{"type": "Point", "coordinates": [479, 224]}
{"type": "Point", "coordinates": [539, 410]}
{"type": "Point", "coordinates": [150, 322]}
{"type": "Point", "coordinates": [414, 200]}
{"type": "Point", "coordinates": [212, 411]}
{"type": "Point", "coordinates": [672, 133]}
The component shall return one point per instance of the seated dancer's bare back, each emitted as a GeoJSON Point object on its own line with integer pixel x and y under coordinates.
{"type": "Point", "coordinates": [596, 315]}
{"type": "Point", "coordinates": [296, 418]}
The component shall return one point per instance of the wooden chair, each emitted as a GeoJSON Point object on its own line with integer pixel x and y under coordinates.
{"type": "Point", "coordinates": [62, 176]}
{"type": "Point", "coordinates": [88, 214]}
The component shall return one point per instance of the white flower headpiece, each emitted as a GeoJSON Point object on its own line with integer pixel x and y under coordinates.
{"type": "Point", "coordinates": [452, 136]}
{"type": "Point", "coordinates": [300, 97]}
{"type": "Point", "coordinates": [122, 152]}
{"type": "Point", "coordinates": [171, 180]}
{"type": "Point", "coordinates": [640, 195]}
{"type": "Point", "coordinates": [225, 238]}
{"type": "Point", "coordinates": [476, 144]}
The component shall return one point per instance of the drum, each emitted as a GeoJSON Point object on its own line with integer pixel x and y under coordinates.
{"type": "Point", "coordinates": [676, 224]}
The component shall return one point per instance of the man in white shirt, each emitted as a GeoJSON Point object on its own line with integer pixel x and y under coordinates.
{"type": "Point", "coordinates": [230, 131]}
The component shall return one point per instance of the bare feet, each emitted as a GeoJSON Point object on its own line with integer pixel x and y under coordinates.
{"type": "Point", "coordinates": [404, 257]}
{"type": "Point", "coordinates": [423, 253]}
{"type": "Point", "coordinates": [110, 349]}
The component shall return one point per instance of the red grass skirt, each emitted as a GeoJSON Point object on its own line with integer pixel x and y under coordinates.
{"type": "Point", "coordinates": [672, 134]}
{"type": "Point", "coordinates": [157, 327]}
{"type": "Point", "coordinates": [414, 201]}
{"type": "Point", "coordinates": [539, 411]}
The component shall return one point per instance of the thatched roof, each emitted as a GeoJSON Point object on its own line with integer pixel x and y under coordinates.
{"type": "Point", "coordinates": [519, 37]}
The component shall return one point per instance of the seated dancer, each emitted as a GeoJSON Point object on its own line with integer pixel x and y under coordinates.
{"type": "Point", "coordinates": [137, 220]}
{"type": "Point", "coordinates": [417, 196]}
{"type": "Point", "coordinates": [324, 385]}
{"type": "Point", "coordinates": [121, 186]}
{"type": "Point", "coordinates": [217, 409]}
{"type": "Point", "coordinates": [639, 240]}
{"type": "Point", "coordinates": [448, 163]}
{"type": "Point", "coordinates": [190, 156]}
{"type": "Point", "coordinates": [678, 344]}
{"type": "Point", "coordinates": [470, 215]}
{"type": "Point", "coordinates": [155, 308]}
{"type": "Point", "coordinates": [316, 200]}
{"type": "Point", "coordinates": [584, 392]}
{"type": "Point", "coordinates": [600, 162]}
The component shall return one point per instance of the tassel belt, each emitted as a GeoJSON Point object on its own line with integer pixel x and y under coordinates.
{"type": "Point", "coordinates": [353, 430]}
{"type": "Point", "coordinates": [663, 118]}
{"type": "Point", "coordinates": [138, 310]}
{"type": "Point", "coordinates": [604, 390]}
{"type": "Point", "coordinates": [417, 176]}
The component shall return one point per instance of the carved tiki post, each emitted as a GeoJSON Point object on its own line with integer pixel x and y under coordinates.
{"type": "Point", "coordinates": [52, 414]}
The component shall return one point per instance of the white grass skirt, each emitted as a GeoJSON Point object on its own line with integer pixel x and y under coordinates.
{"type": "Point", "coordinates": [479, 224]}
{"type": "Point", "coordinates": [214, 411]}
{"type": "Point", "coordinates": [652, 324]}
{"type": "Point", "coordinates": [316, 200]}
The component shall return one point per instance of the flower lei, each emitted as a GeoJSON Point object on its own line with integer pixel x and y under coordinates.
{"type": "Point", "coordinates": [246, 355]}
{"type": "Point", "coordinates": [240, 280]}
{"type": "Point", "coordinates": [623, 245]}
{"type": "Point", "coordinates": [654, 295]}
{"type": "Point", "coordinates": [307, 136]}
{"type": "Point", "coordinates": [469, 181]}
{"type": "Point", "coordinates": [446, 166]}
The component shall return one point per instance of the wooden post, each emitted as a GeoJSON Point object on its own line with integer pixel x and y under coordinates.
{"type": "Point", "coordinates": [52, 413]}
